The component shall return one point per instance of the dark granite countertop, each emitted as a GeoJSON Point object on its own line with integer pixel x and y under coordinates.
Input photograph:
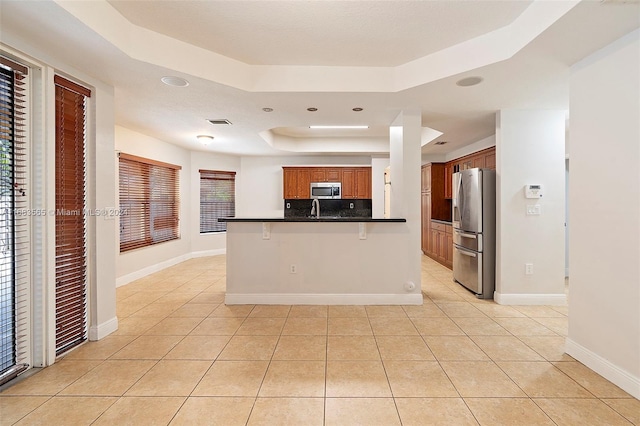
{"type": "Point", "coordinates": [309, 219]}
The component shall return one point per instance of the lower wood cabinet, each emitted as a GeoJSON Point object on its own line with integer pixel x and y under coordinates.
{"type": "Point", "coordinates": [440, 244]}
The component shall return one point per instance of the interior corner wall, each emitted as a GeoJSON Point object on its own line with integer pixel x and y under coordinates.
{"type": "Point", "coordinates": [530, 150]}
{"type": "Point", "coordinates": [215, 242]}
{"type": "Point", "coordinates": [139, 262]}
{"type": "Point", "coordinates": [604, 309]}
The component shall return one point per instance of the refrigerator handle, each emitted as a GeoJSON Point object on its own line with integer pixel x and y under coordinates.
{"type": "Point", "coordinates": [464, 234]}
{"type": "Point", "coordinates": [466, 253]}
{"type": "Point", "coordinates": [460, 194]}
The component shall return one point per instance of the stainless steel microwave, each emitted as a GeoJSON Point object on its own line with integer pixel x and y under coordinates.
{"type": "Point", "coordinates": [324, 190]}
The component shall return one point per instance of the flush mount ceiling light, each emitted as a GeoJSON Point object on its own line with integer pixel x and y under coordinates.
{"type": "Point", "coordinates": [204, 139]}
{"type": "Point", "coordinates": [312, 109]}
{"type": "Point", "coordinates": [218, 121]}
{"type": "Point", "coordinates": [469, 81]}
{"type": "Point", "coordinates": [267, 109]}
{"type": "Point", "coordinates": [357, 109]}
{"type": "Point", "coordinates": [338, 127]}
{"type": "Point", "coordinates": [172, 80]}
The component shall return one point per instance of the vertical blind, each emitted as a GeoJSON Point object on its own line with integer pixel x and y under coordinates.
{"type": "Point", "coordinates": [149, 202]}
{"type": "Point", "coordinates": [14, 238]}
{"type": "Point", "coordinates": [71, 270]}
{"type": "Point", "coordinates": [217, 199]}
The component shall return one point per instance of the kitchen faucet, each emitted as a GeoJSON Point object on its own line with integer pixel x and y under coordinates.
{"type": "Point", "coordinates": [315, 208]}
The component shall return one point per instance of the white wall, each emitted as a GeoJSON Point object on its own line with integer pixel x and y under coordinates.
{"type": "Point", "coordinates": [215, 242]}
{"type": "Point", "coordinates": [604, 310]}
{"type": "Point", "coordinates": [259, 187]}
{"type": "Point", "coordinates": [136, 262]}
{"type": "Point", "coordinates": [530, 150]}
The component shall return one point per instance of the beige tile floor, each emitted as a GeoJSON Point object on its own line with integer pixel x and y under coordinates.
{"type": "Point", "coordinates": [182, 357]}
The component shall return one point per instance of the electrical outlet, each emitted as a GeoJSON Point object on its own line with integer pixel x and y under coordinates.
{"type": "Point", "coordinates": [528, 268]}
{"type": "Point", "coordinates": [293, 269]}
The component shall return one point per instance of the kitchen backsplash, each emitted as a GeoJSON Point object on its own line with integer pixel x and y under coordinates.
{"type": "Point", "coordinates": [339, 208]}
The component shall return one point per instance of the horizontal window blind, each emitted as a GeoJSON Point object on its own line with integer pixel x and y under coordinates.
{"type": "Point", "coordinates": [14, 230]}
{"type": "Point", "coordinates": [217, 199]}
{"type": "Point", "coordinates": [149, 202]}
{"type": "Point", "coordinates": [71, 250]}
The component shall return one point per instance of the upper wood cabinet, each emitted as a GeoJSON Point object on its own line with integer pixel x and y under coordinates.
{"type": "Point", "coordinates": [356, 181]}
{"type": "Point", "coordinates": [425, 176]}
{"type": "Point", "coordinates": [333, 174]}
{"type": "Point", "coordinates": [485, 159]}
{"type": "Point", "coordinates": [326, 174]}
{"type": "Point", "coordinates": [296, 182]}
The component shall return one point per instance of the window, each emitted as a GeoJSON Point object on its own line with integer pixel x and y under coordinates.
{"type": "Point", "coordinates": [71, 245]}
{"type": "Point", "coordinates": [217, 199]}
{"type": "Point", "coordinates": [14, 218]}
{"type": "Point", "coordinates": [149, 202]}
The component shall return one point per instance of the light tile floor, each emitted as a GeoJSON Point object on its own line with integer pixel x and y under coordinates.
{"type": "Point", "coordinates": [182, 357]}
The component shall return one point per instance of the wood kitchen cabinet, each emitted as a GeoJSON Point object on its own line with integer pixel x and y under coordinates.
{"type": "Point", "coordinates": [485, 159]}
{"type": "Point", "coordinates": [356, 181]}
{"type": "Point", "coordinates": [448, 183]}
{"type": "Point", "coordinates": [296, 182]}
{"type": "Point", "coordinates": [326, 174]}
{"type": "Point", "coordinates": [434, 205]}
{"type": "Point", "coordinates": [440, 246]}
{"type": "Point", "coordinates": [426, 222]}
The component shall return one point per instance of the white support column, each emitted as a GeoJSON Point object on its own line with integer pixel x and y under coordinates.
{"type": "Point", "coordinates": [405, 160]}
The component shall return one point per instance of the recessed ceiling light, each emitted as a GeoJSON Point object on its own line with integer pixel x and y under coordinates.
{"type": "Point", "coordinates": [312, 109]}
{"type": "Point", "coordinates": [218, 121]}
{"type": "Point", "coordinates": [204, 139]}
{"type": "Point", "coordinates": [469, 81]}
{"type": "Point", "coordinates": [172, 80]}
{"type": "Point", "coordinates": [267, 109]}
{"type": "Point", "coordinates": [338, 127]}
{"type": "Point", "coordinates": [441, 142]}
{"type": "Point", "coordinates": [357, 109]}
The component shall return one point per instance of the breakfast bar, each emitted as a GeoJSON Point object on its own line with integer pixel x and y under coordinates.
{"type": "Point", "coordinates": [325, 260]}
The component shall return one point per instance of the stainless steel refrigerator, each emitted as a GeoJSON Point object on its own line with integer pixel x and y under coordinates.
{"type": "Point", "coordinates": [474, 230]}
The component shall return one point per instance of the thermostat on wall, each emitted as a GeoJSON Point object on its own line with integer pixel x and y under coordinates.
{"type": "Point", "coordinates": [533, 191]}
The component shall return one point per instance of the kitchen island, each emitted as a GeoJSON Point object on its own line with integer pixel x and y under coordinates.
{"type": "Point", "coordinates": [319, 261]}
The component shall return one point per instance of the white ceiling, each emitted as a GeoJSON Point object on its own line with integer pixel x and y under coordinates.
{"type": "Point", "coordinates": [332, 55]}
{"type": "Point", "coordinates": [334, 33]}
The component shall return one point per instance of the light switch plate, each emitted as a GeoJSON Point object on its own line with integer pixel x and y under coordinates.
{"type": "Point", "coordinates": [533, 209]}
{"type": "Point", "coordinates": [266, 231]}
{"type": "Point", "coordinates": [362, 230]}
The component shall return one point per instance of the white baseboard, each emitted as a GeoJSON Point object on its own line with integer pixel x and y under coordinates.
{"type": "Point", "coordinates": [616, 375]}
{"type": "Point", "coordinates": [323, 299]}
{"type": "Point", "coordinates": [530, 299]}
{"type": "Point", "coordinates": [126, 279]}
{"type": "Point", "coordinates": [97, 332]}
{"type": "Point", "coordinates": [206, 253]}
